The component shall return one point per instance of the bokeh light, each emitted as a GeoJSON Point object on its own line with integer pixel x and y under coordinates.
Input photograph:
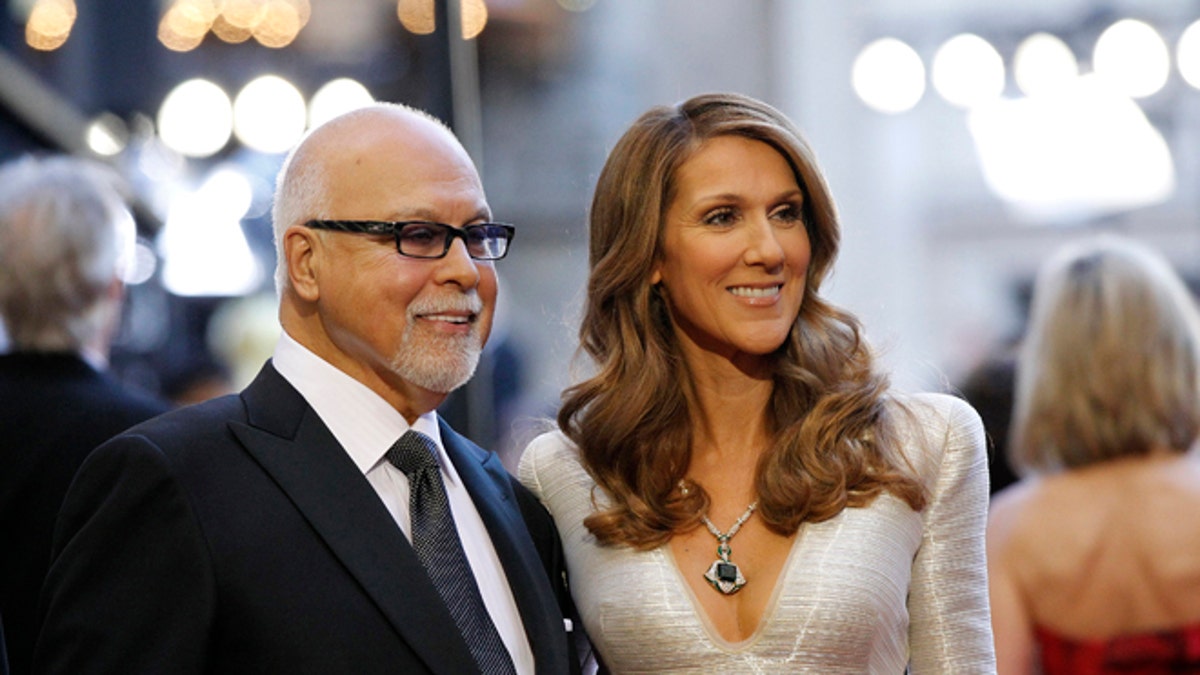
{"type": "Point", "coordinates": [204, 250]}
{"type": "Point", "coordinates": [1072, 154]}
{"type": "Point", "coordinates": [196, 118]}
{"type": "Point", "coordinates": [143, 265]}
{"type": "Point", "coordinates": [107, 135]}
{"type": "Point", "coordinates": [269, 114]}
{"type": "Point", "coordinates": [417, 16]}
{"type": "Point", "coordinates": [888, 76]}
{"type": "Point", "coordinates": [1132, 57]}
{"type": "Point", "coordinates": [967, 71]}
{"type": "Point", "coordinates": [272, 23]}
{"type": "Point", "coordinates": [49, 24]}
{"type": "Point", "coordinates": [279, 25]}
{"type": "Point", "coordinates": [474, 18]}
{"type": "Point", "coordinates": [185, 23]}
{"type": "Point", "coordinates": [1187, 55]}
{"type": "Point", "coordinates": [336, 97]}
{"type": "Point", "coordinates": [1043, 63]}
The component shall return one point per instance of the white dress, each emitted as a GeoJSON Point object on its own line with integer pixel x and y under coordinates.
{"type": "Point", "coordinates": [873, 590]}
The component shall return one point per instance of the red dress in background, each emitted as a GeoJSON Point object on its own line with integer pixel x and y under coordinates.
{"type": "Point", "coordinates": [1162, 653]}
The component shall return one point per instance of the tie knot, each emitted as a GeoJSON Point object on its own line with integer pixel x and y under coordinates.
{"type": "Point", "coordinates": [413, 453]}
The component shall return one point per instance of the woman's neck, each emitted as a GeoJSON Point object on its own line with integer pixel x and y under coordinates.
{"type": "Point", "coordinates": [730, 425]}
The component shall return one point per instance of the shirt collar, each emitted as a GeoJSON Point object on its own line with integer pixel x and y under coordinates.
{"type": "Point", "coordinates": [363, 423]}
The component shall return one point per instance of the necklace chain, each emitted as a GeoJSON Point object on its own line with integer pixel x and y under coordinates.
{"type": "Point", "coordinates": [724, 537]}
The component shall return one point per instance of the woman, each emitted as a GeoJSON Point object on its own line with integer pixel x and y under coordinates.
{"type": "Point", "coordinates": [1094, 556]}
{"type": "Point", "coordinates": [736, 487]}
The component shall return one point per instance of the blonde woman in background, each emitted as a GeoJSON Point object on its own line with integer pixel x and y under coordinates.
{"type": "Point", "coordinates": [1094, 556]}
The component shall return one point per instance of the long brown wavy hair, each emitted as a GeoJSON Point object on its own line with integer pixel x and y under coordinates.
{"type": "Point", "coordinates": [836, 439]}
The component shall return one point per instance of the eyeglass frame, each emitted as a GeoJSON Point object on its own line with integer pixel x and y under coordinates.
{"type": "Point", "coordinates": [393, 228]}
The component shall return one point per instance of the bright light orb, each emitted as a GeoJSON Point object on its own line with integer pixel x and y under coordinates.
{"type": "Point", "coordinates": [49, 24]}
{"type": "Point", "coordinates": [204, 250]}
{"type": "Point", "coordinates": [1043, 64]}
{"type": "Point", "coordinates": [143, 266]}
{"type": "Point", "coordinates": [888, 76]}
{"type": "Point", "coordinates": [474, 18]}
{"type": "Point", "coordinates": [269, 114]}
{"type": "Point", "coordinates": [1133, 58]}
{"type": "Point", "coordinates": [967, 71]}
{"type": "Point", "coordinates": [280, 25]}
{"type": "Point", "coordinates": [1188, 55]}
{"type": "Point", "coordinates": [1073, 154]}
{"type": "Point", "coordinates": [196, 118]}
{"type": "Point", "coordinates": [417, 16]}
{"type": "Point", "coordinates": [335, 98]}
{"type": "Point", "coordinates": [107, 135]}
{"type": "Point", "coordinates": [228, 192]}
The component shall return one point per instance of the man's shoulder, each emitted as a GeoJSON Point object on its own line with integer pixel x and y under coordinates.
{"type": "Point", "coordinates": [187, 425]}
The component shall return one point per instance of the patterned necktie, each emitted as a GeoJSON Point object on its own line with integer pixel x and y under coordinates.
{"type": "Point", "coordinates": [435, 539]}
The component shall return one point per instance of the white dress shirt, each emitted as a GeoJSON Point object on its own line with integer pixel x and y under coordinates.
{"type": "Point", "coordinates": [366, 426]}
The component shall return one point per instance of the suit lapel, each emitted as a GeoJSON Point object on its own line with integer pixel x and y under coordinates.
{"type": "Point", "coordinates": [291, 443]}
{"type": "Point", "coordinates": [488, 483]}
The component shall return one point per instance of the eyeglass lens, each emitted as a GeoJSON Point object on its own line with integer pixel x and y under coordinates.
{"type": "Point", "coordinates": [433, 240]}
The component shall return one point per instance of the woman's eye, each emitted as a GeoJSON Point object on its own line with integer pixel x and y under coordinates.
{"type": "Point", "coordinates": [791, 214]}
{"type": "Point", "coordinates": [720, 217]}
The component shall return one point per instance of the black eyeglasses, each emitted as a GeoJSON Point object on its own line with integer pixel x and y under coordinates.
{"type": "Point", "coordinates": [424, 239]}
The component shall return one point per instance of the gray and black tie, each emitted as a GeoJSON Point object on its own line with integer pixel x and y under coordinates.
{"type": "Point", "coordinates": [435, 539]}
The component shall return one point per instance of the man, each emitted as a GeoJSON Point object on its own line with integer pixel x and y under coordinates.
{"type": "Point", "coordinates": [269, 532]}
{"type": "Point", "coordinates": [65, 239]}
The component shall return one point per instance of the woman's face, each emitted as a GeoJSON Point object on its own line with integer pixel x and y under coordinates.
{"type": "Point", "coordinates": [735, 250]}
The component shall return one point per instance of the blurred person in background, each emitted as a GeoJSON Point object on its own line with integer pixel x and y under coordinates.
{"type": "Point", "coordinates": [737, 486]}
{"type": "Point", "coordinates": [1094, 555]}
{"type": "Point", "coordinates": [988, 387]}
{"type": "Point", "coordinates": [65, 238]}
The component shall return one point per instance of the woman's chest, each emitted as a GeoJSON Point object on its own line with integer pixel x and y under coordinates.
{"type": "Point", "coordinates": [841, 591]}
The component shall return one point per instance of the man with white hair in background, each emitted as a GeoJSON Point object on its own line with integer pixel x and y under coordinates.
{"type": "Point", "coordinates": [65, 238]}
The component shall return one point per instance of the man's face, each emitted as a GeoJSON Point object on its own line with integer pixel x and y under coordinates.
{"type": "Point", "coordinates": [405, 322]}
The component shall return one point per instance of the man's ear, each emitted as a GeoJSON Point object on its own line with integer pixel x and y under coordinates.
{"type": "Point", "coordinates": [301, 249]}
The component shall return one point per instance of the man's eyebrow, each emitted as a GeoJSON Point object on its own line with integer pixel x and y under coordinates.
{"type": "Point", "coordinates": [483, 214]}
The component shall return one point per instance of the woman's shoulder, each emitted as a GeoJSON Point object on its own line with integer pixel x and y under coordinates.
{"type": "Point", "coordinates": [549, 458]}
{"type": "Point", "coordinates": [940, 431]}
{"type": "Point", "coordinates": [549, 446]}
{"type": "Point", "coordinates": [938, 411]}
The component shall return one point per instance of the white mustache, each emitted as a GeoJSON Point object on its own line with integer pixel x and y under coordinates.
{"type": "Point", "coordinates": [455, 302]}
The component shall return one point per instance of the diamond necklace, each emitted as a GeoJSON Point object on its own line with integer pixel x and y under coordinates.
{"type": "Point", "coordinates": [724, 574]}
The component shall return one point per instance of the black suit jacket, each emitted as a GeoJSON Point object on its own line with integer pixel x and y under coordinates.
{"type": "Point", "coordinates": [54, 409]}
{"type": "Point", "coordinates": [237, 536]}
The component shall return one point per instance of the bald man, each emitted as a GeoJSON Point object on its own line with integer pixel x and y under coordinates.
{"type": "Point", "coordinates": [280, 530]}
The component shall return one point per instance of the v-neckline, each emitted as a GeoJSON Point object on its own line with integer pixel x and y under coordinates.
{"type": "Point", "coordinates": [768, 610]}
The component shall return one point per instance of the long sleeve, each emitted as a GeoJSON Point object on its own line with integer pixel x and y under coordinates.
{"type": "Point", "coordinates": [950, 629]}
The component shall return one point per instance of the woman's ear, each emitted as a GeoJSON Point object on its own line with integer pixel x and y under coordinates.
{"type": "Point", "coordinates": [301, 249]}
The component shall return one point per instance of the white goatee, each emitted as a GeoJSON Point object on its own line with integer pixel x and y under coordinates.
{"type": "Point", "coordinates": [440, 363]}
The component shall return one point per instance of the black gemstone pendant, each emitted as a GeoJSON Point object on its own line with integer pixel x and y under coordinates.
{"type": "Point", "coordinates": [725, 576]}
{"type": "Point", "coordinates": [727, 572]}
